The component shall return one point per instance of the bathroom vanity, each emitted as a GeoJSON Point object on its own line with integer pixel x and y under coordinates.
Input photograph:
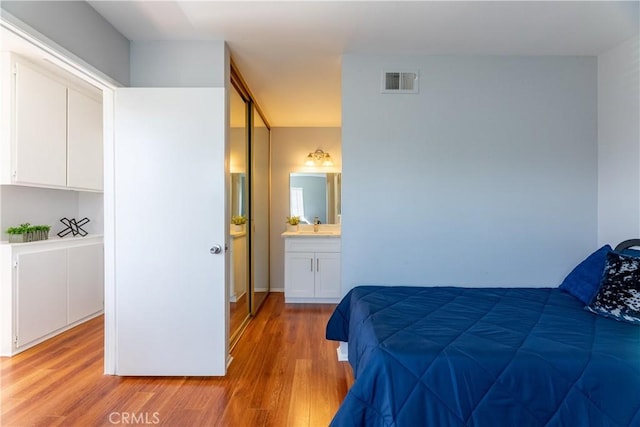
{"type": "Point", "coordinates": [312, 265]}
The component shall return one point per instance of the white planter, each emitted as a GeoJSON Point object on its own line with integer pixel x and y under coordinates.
{"type": "Point", "coordinates": [29, 237]}
{"type": "Point", "coordinates": [292, 228]}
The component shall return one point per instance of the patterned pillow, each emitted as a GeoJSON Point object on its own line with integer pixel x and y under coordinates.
{"type": "Point", "coordinates": [619, 293]}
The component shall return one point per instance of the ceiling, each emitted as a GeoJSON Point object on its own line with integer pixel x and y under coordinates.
{"type": "Point", "coordinates": [289, 52]}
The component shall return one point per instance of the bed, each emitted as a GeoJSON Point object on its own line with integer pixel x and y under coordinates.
{"type": "Point", "coordinates": [452, 356]}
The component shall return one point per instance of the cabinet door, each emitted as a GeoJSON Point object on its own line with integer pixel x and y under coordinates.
{"type": "Point", "coordinates": [299, 274]}
{"type": "Point", "coordinates": [41, 129]}
{"type": "Point", "coordinates": [85, 281]}
{"type": "Point", "coordinates": [328, 275]}
{"type": "Point", "coordinates": [84, 150]}
{"type": "Point", "coordinates": [41, 289]}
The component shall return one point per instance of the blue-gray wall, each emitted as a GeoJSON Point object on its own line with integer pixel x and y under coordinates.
{"type": "Point", "coordinates": [188, 63]}
{"type": "Point", "coordinates": [77, 27]}
{"type": "Point", "coordinates": [619, 142]}
{"type": "Point", "coordinates": [487, 177]}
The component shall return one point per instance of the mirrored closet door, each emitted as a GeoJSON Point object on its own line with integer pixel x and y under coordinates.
{"type": "Point", "coordinates": [239, 304]}
{"type": "Point", "coordinates": [249, 199]}
{"type": "Point", "coordinates": [260, 161]}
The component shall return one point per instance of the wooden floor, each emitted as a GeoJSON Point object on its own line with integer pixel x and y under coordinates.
{"type": "Point", "coordinates": [238, 312]}
{"type": "Point", "coordinates": [284, 373]}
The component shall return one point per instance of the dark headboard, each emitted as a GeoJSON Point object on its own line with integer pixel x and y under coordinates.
{"type": "Point", "coordinates": [627, 244]}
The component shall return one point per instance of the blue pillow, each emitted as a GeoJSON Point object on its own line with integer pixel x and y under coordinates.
{"type": "Point", "coordinates": [619, 293]}
{"type": "Point", "coordinates": [584, 281]}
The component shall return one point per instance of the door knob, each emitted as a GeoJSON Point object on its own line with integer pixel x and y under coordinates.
{"type": "Point", "coordinates": [216, 249]}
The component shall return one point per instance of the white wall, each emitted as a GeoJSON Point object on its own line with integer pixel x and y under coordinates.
{"type": "Point", "coordinates": [487, 177]}
{"type": "Point", "coordinates": [619, 143]}
{"type": "Point", "coordinates": [77, 27]}
{"type": "Point", "coordinates": [178, 64]}
{"type": "Point", "coordinates": [289, 149]}
{"type": "Point", "coordinates": [36, 206]}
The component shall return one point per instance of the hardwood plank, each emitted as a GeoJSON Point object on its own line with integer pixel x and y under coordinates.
{"type": "Point", "coordinates": [284, 373]}
{"type": "Point", "coordinates": [300, 406]}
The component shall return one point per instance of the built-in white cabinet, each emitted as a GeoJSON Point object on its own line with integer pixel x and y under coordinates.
{"type": "Point", "coordinates": [48, 287]}
{"type": "Point", "coordinates": [312, 269]}
{"type": "Point", "coordinates": [50, 143]}
{"type": "Point", "coordinates": [85, 281]}
{"type": "Point", "coordinates": [84, 141]}
{"type": "Point", "coordinates": [40, 294]}
{"type": "Point", "coordinates": [40, 153]}
{"type": "Point", "coordinates": [57, 129]}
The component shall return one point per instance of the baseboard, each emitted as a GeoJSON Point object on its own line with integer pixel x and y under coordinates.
{"type": "Point", "coordinates": [343, 352]}
{"type": "Point", "coordinates": [311, 300]}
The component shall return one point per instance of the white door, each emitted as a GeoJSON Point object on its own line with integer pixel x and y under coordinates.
{"type": "Point", "coordinates": [170, 204]}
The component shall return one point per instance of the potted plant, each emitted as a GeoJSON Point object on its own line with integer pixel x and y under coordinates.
{"type": "Point", "coordinates": [28, 233]}
{"type": "Point", "coordinates": [238, 222]}
{"type": "Point", "coordinates": [292, 223]}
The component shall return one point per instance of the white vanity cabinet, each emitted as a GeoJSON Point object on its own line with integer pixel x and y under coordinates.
{"type": "Point", "coordinates": [312, 269]}
{"type": "Point", "coordinates": [55, 137]}
{"type": "Point", "coordinates": [47, 287]}
{"type": "Point", "coordinates": [238, 265]}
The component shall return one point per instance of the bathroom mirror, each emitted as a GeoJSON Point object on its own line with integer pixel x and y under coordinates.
{"type": "Point", "coordinates": [315, 195]}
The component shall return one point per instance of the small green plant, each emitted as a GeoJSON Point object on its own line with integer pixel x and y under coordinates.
{"type": "Point", "coordinates": [293, 220]}
{"type": "Point", "coordinates": [22, 229]}
{"type": "Point", "coordinates": [238, 219]}
{"type": "Point", "coordinates": [27, 228]}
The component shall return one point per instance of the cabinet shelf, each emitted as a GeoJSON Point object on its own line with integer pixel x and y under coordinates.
{"type": "Point", "coordinates": [55, 240]}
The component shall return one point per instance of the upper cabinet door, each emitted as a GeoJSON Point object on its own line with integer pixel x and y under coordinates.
{"type": "Point", "coordinates": [41, 129]}
{"type": "Point", "coordinates": [84, 151]}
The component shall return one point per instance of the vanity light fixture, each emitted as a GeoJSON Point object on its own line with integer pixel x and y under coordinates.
{"type": "Point", "coordinates": [319, 157]}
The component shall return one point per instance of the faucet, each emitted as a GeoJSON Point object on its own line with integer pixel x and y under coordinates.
{"type": "Point", "coordinates": [316, 223]}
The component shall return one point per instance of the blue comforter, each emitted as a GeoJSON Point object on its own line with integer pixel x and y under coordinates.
{"type": "Point", "coordinates": [449, 356]}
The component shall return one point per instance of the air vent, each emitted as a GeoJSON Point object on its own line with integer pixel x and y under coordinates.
{"type": "Point", "coordinates": [400, 82]}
